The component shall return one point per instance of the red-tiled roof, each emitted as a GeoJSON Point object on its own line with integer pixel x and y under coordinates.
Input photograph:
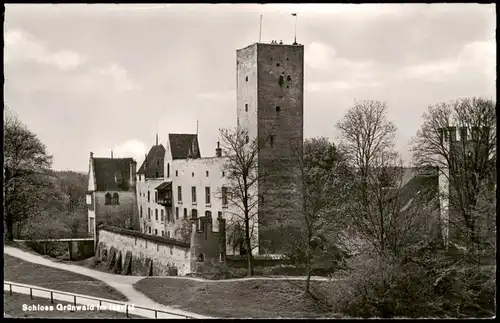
{"type": "Point", "coordinates": [153, 165]}
{"type": "Point", "coordinates": [183, 146]}
{"type": "Point", "coordinates": [112, 174]}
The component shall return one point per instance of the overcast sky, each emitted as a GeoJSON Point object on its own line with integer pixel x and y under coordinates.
{"type": "Point", "coordinates": [100, 77]}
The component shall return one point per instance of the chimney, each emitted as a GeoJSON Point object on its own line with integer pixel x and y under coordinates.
{"type": "Point", "coordinates": [133, 168]}
{"type": "Point", "coordinates": [111, 153]}
{"type": "Point", "coordinates": [218, 150]}
{"type": "Point", "coordinates": [157, 139]}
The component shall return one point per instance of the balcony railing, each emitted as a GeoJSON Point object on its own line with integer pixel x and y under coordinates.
{"type": "Point", "coordinates": [165, 201]}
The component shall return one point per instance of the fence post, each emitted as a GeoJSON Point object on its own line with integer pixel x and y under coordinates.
{"type": "Point", "coordinates": [10, 285]}
{"type": "Point", "coordinates": [100, 305]}
{"type": "Point", "coordinates": [156, 314]}
{"type": "Point", "coordinates": [74, 300]}
{"type": "Point", "coordinates": [31, 293]}
{"type": "Point", "coordinates": [126, 310]}
{"type": "Point", "coordinates": [52, 297]}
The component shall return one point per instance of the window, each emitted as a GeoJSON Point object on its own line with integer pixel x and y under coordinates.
{"type": "Point", "coordinates": [149, 214]}
{"type": "Point", "coordinates": [179, 193]}
{"type": "Point", "coordinates": [168, 169]}
{"type": "Point", "coordinates": [162, 233]}
{"type": "Point", "coordinates": [139, 178]}
{"type": "Point", "coordinates": [194, 213]}
{"type": "Point", "coordinates": [156, 197]}
{"type": "Point", "coordinates": [246, 107]}
{"type": "Point", "coordinates": [246, 78]}
{"type": "Point", "coordinates": [208, 214]}
{"type": "Point", "coordinates": [223, 174]}
{"type": "Point", "coordinates": [224, 195]}
{"type": "Point", "coordinates": [140, 211]}
{"type": "Point", "coordinates": [149, 196]}
{"type": "Point", "coordinates": [156, 232]}
{"type": "Point", "coordinates": [156, 215]}
{"type": "Point", "coordinates": [168, 234]}
{"type": "Point", "coordinates": [207, 195]}
{"type": "Point", "coordinates": [107, 199]}
{"type": "Point", "coordinates": [176, 173]}
{"type": "Point", "coordinates": [200, 258]}
{"type": "Point", "coordinates": [278, 109]}
{"type": "Point", "coordinates": [176, 213]}
{"type": "Point", "coordinates": [193, 194]}
{"type": "Point", "coordinates": [192, 174]}
{"type": "Point", "coordinates": [162, 217]}
{"type": "Point", "coordinates": [206, 173]}
{"type": "Point", "coordinates": [149, 230]}
{"type": "Point", "coordinates": [219, 215]}
{"type": "Point", "coordinates": [271, 140]}
{"type": "Point", "coordinates": [247, 139]}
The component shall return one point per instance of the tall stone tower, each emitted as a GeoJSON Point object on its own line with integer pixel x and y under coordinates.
{"type": "Point", "coordinates": [270, 106]}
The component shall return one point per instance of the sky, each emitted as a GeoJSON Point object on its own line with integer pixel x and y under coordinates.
{"type": "Point", "coordinates": [101, 77]}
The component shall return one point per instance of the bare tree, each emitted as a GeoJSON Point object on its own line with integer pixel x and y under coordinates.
{"type": "Point", "coordinates": [467, 162]}
{"type": "Point", "coordinates": [321, 173]}
{"type": "Point", "coordinates": [377, 204]}
{"type": "Point", "coordinates": [243, 177]}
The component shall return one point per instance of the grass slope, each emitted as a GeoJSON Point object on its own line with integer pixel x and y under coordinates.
{"type": "Point", "coordinates": [24, 272]}
{"type": "Point", "coordinates": [241, 299]}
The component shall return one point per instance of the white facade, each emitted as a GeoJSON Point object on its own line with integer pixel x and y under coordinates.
{"type": "Point", "coordinates": [195, 178]}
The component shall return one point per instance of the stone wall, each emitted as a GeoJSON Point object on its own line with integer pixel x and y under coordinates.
{"type": "Point", "coordinates": [142, 254]}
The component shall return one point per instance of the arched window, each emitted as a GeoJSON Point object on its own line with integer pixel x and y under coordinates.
{"type": "Point", "coordinates": [116, 199]}
{"type": "Point", "coordinates": [149, 195]}
{"type": "Point", "coordinates": [194, 213]}
{"type": "Point", "coordinates": [107, 199]}
{"type": "Point", "coordinates": [208, 214]}
{"type": "Point", "coordinates": [200, 258]}
{"type": "Point", "coordinates": [168, 169]}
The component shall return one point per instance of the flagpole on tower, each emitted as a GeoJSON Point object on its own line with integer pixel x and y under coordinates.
{"type": "Point", "coordinates": [295, 29]}
{"type": "Point", "coordinates": [260, 29]}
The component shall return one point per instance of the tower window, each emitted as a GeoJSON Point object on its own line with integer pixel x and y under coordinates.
{"type": "Point", "coordinates": [206, 173]}
{"type": "Point", "coordinates": [246, 107]}
{"type": "Point", "coordinates": [278, 109]}
{"type": "Point", "coordinates": [246, 78]}
{"type": "Point", "coordinates": [192, 174]}
{"type": "Point", "coordinates": [288, 78]}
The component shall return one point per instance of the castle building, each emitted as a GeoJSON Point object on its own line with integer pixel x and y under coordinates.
{"type": "Point", "coordinates": [468, 156]}
{"type": "Point", "coordinates": [177, 187]}
{"type": "Point", "coordinates": [111, 197]}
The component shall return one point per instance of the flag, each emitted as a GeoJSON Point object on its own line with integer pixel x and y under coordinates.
{"type": "Point", "coordinates": [294, 14]}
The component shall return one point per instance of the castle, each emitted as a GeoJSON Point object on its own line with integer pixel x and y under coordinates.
{"type": "Point", "coordinates": [176, 187]}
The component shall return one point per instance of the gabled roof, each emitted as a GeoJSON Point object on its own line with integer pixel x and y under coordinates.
{"type": "Point", "coordinates": [183, 146]}
{"type": "Point", "coordinates": [112, 174]}
{"type": "Point", "coordinates": [154, 162]}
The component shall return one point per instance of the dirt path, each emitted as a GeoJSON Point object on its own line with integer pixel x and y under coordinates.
{"type": "Point", "coordinates": [123, 284]}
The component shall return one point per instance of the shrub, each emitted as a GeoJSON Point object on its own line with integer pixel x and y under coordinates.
{"type": "Point", "coordinates": [427, 283]}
